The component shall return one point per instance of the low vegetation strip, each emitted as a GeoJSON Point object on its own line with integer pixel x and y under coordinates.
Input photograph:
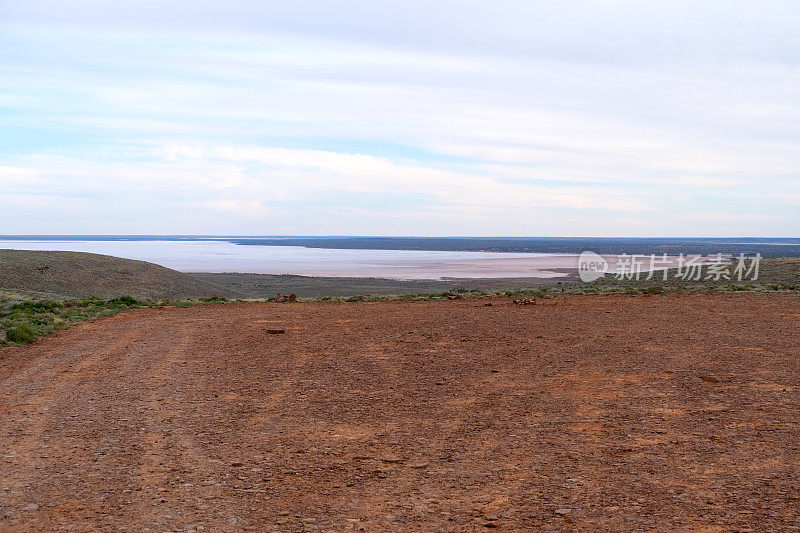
{"type": "Point", "coordinates": [22, 321]}
{"type": "Point", "coordinates": [267, 285]}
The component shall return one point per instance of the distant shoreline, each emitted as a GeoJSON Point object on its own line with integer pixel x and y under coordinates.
{"type": "Point", "coordinates": [766, 246]}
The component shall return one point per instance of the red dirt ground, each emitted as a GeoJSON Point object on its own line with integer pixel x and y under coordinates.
{"type": "Point", "coordinates": [620, 412]}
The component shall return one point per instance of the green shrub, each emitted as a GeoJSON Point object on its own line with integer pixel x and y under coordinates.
{"type": "Point", "coordinates": [127, 301]}
{"type": "Point", "coordinates": [40, 320]}
{"type": "Point", "coordinates": [92, 301]}
{"type": "Point", "coordinates": [214, 299]}
{"type": "Point", "coordinates": [22, 334]}
{"type": "Point", "coordinates": [46, 306]}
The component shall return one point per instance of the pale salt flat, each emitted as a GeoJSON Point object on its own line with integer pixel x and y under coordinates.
{"type": "Point", "coordinates": [221, 256]}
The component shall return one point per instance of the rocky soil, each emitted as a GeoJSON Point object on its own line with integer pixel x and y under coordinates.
{"type": "Point", "coordinates": [581, 412]}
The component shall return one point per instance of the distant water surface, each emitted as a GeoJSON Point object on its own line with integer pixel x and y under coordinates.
{"type": "Point", "coordinates": [221, 256]}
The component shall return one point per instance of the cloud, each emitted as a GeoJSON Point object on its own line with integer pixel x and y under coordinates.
{"type": "Point", "coordinates": [40, 203]}
{"type": "Point", "coordinates": [505, 117]}
{"type": "Point", "coordinates": [315, 171]}
{"type": "Point", "coordinates": [251, 208]}
{"type": "Point", "coordinates": [15, 177]}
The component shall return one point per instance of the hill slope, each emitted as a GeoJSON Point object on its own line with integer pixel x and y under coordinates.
{"type": "Point", "coordinates": [82, 274]}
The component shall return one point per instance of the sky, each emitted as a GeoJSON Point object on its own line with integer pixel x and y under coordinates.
{"type": "Point", "coordinates": [431, 118]}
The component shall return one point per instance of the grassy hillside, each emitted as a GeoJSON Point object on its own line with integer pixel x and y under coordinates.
{"type": "Point", "coordinates": [81, 275]}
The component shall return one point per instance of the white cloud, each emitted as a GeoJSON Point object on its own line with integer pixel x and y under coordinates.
{"type": "Point", "coordinates": [41, 203]}
{"type": "Point", "coordinates": [470, 115]}
{"type": "Point", "coordinates": [16, 177]}
{"type": "Point", "coordinates": [246, 208]}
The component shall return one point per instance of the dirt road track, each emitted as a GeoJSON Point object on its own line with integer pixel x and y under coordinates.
{"type": "Point", "coordinates": [667, 412]}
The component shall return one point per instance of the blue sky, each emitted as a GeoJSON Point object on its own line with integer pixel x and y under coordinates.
{"type": "Point", "coordinates": [573, 118]}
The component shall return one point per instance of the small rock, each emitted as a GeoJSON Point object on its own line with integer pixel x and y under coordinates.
{"type": "Point", "coordinates": [709, 379]}
{"type": "Point", "coordinates": [31, 507]}
{"type": "Point", "coordinates": [562, 512]}
{"type": "Point", "coordinates": [236, 464]}
{"type": "Point", "coordinates": [391, 459]}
